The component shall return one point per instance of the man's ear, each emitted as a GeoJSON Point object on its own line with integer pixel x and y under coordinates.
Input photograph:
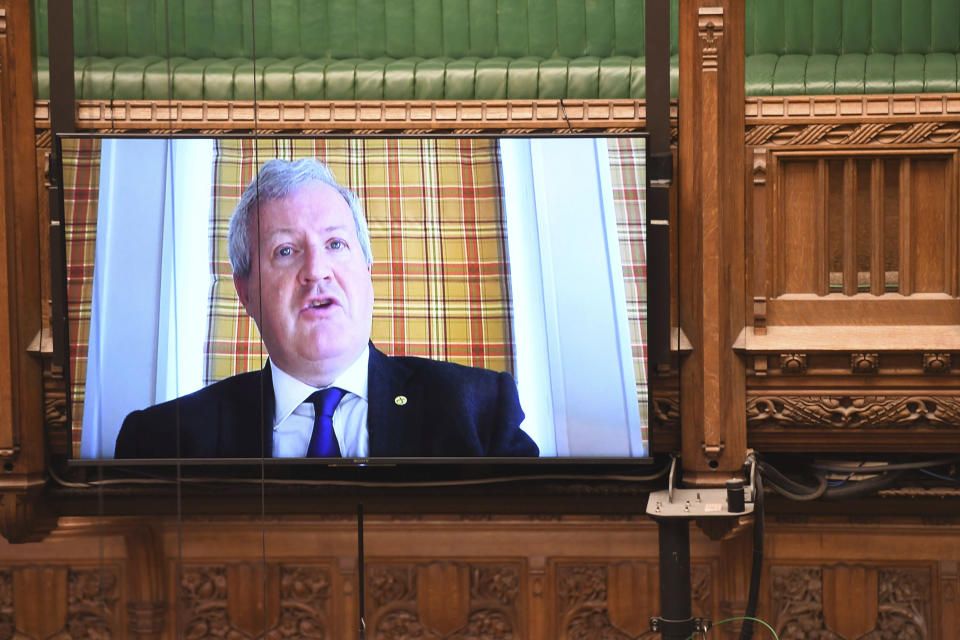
{"type": "Point", "coordinates": [242, 285]}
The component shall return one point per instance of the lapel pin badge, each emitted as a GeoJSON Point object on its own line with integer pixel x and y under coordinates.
{"type": "Point", "coordinates": [400, 400]}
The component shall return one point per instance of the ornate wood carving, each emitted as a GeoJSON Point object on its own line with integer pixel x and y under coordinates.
{"type": "Point", "coordinates": [666, 410]}
{"type": "Point", "coordinates": [854, 412]}
{"type": "Point", "coordinates": [936, 362]}
{"type": "Point", "coordinates": [852, 134]}
{"type": "Point", "coordinates": [793, 363]}
{"type": "Point", "coordinates": [3, 22]}
{"type": "Point", "coordinates": [864, 363]}
{"type": "Point", "coordinates": [205, 593]}
{"type": "Point", "coordinates": [798, 604]}
{"type": "Point", "coordinates": [905, 605]}
{"type": "Point", "coordinates": [92, 597]}
{"type": "Point", "coordinates": [369, 116]}
{"type": "Point", "coordinates": [710, 23]}
{"type": "Point", "coordinates": [400, 600]}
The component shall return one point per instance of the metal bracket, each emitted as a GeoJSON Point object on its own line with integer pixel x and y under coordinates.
{"type": "Point", "coordinates": [680, 628]}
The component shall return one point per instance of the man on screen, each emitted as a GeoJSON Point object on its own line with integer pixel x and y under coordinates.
{"type": "Point", "coordinates": [300, 252]}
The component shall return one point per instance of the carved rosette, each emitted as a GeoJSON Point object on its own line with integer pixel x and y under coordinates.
{"type": "Point", "coordinates": [936, 362]}
{"type": "Point", "coordinates": [404, 601]}
{"type": "Point", "coordinates": [303, 603]}
{"type": "Point", "coordinates": [853, 412]}
{"type": "Point", "coordinates": [793, 363]}
{"type": "Point", "coordinates": [864, 363]}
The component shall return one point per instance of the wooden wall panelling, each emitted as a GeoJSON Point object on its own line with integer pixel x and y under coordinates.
{"type": "Point", "coordinates": [711, 230]}
{"type": "Point", "coordinates": [22, 453]}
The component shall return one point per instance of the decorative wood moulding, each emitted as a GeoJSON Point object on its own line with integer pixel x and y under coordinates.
{"type": "Point", "coordinates": [322, 116]}
{"type": "Point", "coordinates": [880, 107]}
{"type": "Point", "coordinates": [3, 22]}
{"type": "Point", "coordinates": [710, 23]}
{"type": "Point", "coordinates": [854, 412]}
{"type": "Point", "coordinates": [853, 120]}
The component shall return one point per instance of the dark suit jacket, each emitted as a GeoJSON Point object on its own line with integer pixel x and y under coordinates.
{"type": "Point", "coordinates": [450, 411]}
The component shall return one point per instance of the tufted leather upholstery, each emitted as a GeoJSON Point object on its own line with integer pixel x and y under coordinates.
{"type": "Point", "coordinates": [354, 49]}
{"type": "Point", "coordinates": [851, 46]}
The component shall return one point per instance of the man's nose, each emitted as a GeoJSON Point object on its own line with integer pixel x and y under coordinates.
{"type": "Point", "coordinates": [316, 265]}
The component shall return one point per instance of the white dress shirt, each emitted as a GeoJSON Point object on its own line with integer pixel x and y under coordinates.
{"type": "Point", "coordinates": [294, 415]}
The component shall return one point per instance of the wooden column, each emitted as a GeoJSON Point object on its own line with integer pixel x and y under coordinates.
{"type": "Point", "coordinates": [22, 455]}
{"type": "Point", "coordinates": [711, 236]}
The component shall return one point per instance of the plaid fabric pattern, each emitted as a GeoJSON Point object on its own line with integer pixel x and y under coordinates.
{"type": "Point", "coordinates": [81, 186]}
{"type": "Point", "coordinates": [440, 274]}
{"type": "Point", "coordinates": [628, 176]}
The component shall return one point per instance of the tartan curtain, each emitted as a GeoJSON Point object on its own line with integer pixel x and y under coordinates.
{"type": "Point", "coordinates": [628, 177]}
{"type": "Point", "coordinates": [81, 185]}
{"type": "Point", "coordinates": [440, 275]}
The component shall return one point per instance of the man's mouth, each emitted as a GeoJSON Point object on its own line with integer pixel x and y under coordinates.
{"type": "Point", "coordinates": [325, 302]}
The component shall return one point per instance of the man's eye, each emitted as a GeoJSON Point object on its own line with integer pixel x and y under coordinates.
{"type": "Point", "coordinates": [283, 252]}
{"type": "Point", "coordinates": [337, 245]}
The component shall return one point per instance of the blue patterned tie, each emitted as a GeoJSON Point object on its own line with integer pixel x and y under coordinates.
{"type": "Point", "coordinates": [323, 442]}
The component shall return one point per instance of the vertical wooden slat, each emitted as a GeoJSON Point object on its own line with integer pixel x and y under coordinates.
{"type": "Point", "coordinates": [950, 232]}
{"type": "Point", "coordinates": [822, 235]}
{"type": "Point", "coordinates": [878, 277]}
{"type": "Point", "coordinates": [849, 227]}
{"type": "Point", "coordinates": [906, 228]}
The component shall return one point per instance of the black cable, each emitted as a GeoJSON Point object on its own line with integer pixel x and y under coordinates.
{"type": "Point", "coordinates": [901, 466]}
{"type": "Point", "coordinates": [862, 487]}
{"type": "Point", "coordinates": [756, 568]}
{"type": "Point", "coordinates": [790, 488]}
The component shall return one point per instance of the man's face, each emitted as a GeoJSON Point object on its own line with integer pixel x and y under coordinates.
{"type": "Point", "coordinates": [309, 290]}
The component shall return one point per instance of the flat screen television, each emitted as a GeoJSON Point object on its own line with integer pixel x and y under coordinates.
{"type": "Point", "coordinates": [523, 254]}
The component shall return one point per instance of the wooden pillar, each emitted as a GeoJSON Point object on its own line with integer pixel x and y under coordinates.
{"type": "Point", "coordinates": [711, 237]}
{"type": "Point", "coordinates": [21, 414]}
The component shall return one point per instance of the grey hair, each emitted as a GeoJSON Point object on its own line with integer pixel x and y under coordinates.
{"type": "Point", "coordinates": [279, 179]}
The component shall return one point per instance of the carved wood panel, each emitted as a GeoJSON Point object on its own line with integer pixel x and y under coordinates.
{"type": "Point", "coordinates": [441, 600]}
{"type": "Point", "coordinates": [898, 597]}
{"type": "Point", "coordinates": [246, 600]}
{"type": "Point", "coordinates": [615, 601]}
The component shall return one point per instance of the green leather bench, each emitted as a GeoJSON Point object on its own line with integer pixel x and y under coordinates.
{"type": "Point", "coordinates": [353, 49]}
{"type": "Point", "coordinates": [851, 46]}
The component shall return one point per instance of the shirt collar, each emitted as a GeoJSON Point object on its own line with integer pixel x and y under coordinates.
{"type": "Point", "coordinates": [289, 392]}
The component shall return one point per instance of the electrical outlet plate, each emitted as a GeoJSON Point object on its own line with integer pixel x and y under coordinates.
{"type": "Point", "coordinates": [692, 503]}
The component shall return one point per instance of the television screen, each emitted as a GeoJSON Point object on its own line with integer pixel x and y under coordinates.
{"type": "Point", "coordinates": [472, 297]}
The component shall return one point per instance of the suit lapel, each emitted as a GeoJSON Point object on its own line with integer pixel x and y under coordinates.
{"type": "Point", "coordinates": [395, 408]}
{"type": "Point", "coordinates": [246, 421]}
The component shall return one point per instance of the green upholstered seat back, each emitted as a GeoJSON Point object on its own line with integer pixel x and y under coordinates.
{"type": "Point", "coordinates": [342, 29]}
{"type": "Point", "coordinates": [841, 27]}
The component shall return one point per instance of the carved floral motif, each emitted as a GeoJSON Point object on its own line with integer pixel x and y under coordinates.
{"type": "Point", "coordinates": [798, 603]}
{"type": "Point", "coordinates": [581, 584]}
{"type": "Point", "coordinates": [904, 598]}
{"type": "Point", "coordinates": [91, 603]}
{"type": "Point", "coordinates": [853, 412]}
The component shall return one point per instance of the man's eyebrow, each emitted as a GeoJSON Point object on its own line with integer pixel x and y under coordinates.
{"type": "Point", "coordinates": [291, 230]}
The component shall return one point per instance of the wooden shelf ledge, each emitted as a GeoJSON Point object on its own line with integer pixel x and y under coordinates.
{"type": "Point", "coordinates": [850, 338]}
